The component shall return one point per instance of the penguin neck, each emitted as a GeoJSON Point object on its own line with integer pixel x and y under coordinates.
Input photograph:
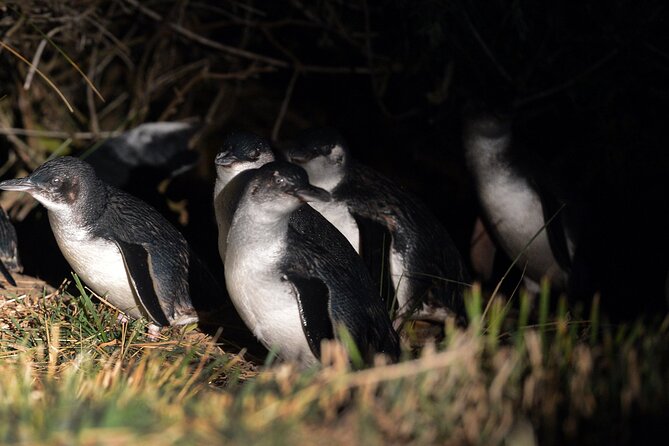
{"type": "Point", "coordinates": [219, 185]}
{"type": "Point", "coordinates": [327, 178]}
{"type": "Point", "coordinates": [255, 238]}
{"type": "Point", "coordinates": [259, 222]}
{"type": "Point", "coordinates": [488, 156]}
{"type": "Point", "coordinates": [223, 177]}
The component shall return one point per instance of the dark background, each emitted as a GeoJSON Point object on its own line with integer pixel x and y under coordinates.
{"type": "Point", "coordinates": [587, 85]}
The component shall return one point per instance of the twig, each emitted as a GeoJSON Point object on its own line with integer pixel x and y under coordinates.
{"type": "Point", "coordinates": [563, 86]}
{"type": "Point", "coordinates": [90, 100]}
{"type": "Point", "coordinates": [37, 57]}
{"type": "Point", "coordinates": [502, 71]}
{"type": "Point", "coordinates": [320, 69]}
{"type": "Point", "coordinates": [174, 75]}
{"type": "Point", "coordinates": [68, 58]}
{"type": "Point", "coordinates": [111, 106]}
{"type": "Point", "coordinates": [284, 105]}
{"type": "Point", "coordinates": [369, 54]}
{"type": "Point", "coordinates": [205, 41]}
{"type": "Point", "coordinates": [123, 48]}
{"type": "Point", "coordinates": [179, 96]}
{"type": "Point", "coordinates": [213, 108]}
{"type": "Point", "coordinates": [27, 62]}
{"type": "Point", "coordinates": [11, 160]}
{"type": "Point", "coordinates": [240, 75]}
{"type": "Point", "coordinates": [10, 131]}
{"type": "Point", "coordinates": [10, 32]}
{"type": "Point", "coordinates": [22, 150]}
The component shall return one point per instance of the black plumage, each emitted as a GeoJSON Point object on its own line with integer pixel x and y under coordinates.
{"type": "Point", "coordinates": [320, 253]}
{"type": "Point", "coordinates": [9, 255]}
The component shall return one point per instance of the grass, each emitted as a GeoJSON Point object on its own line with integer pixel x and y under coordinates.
{"type": "Point", "coordinates": [71, 374]}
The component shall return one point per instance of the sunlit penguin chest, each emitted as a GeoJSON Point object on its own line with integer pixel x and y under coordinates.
{"type": "Point", "coordinates": [98, 263]}
{"type": "Point", "coordinates": [337, 213]}
{"type": "Point", "coordinates": [265, 302]}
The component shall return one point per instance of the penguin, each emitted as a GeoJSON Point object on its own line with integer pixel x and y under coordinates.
{"type": "Point", "coordinates": [426, 271]}
{"type": "Point", "coordinates": [525, 219]}
{"type": "Point", "coordinates": [294, 278]}
{"type": "Point", "coordinates": [240, 152]}
{"type": "Point", "coordinates": [159, 148]}
{"type": "Point", "coordinates": [9, 256]}
{"type": "Point", "coordinates": [121, 247]}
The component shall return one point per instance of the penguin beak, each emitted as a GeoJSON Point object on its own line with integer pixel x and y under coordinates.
{"type": "Point", "coordinates": [311, 193]}
{"type": "Point", "coordinates": [19, 184]}
{"type": "Point", "coordinates": [299, 156]}
{"type": "Point", "coordinates": [224, 159]}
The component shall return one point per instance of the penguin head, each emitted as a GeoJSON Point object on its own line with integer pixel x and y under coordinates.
{"type": "Point", "coordinates": [323, 153]}
{"type": "Point", "coordinates": [487, 140]}
{"type": "Point", "coordinates": [57, 184]}
{"type": "Point", "coordinates": [280, 188]}
{"type": "Point", "coordinates": [241, 151]}
{"type": "Point", "coordinates": [157, 144]}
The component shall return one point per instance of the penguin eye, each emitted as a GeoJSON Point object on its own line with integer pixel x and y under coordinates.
{"type": "Point", "coordinates": [56, 181]}
{"type": "Point", "coordinates": [278, 179]}
{"type": "Point", "coordinates": [255, 154]}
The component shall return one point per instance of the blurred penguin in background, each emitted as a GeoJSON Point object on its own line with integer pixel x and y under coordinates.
{"type": "Point", "coordinates": [596, 180]}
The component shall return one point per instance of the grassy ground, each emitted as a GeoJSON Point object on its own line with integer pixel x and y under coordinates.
{"type": "Point", "coordinates": [71, 374]}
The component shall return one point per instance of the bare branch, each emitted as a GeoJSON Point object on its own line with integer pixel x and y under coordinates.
{"type": "Point", "coordinates": [284, 105]}
{"type": "Point", "coordinates": [11, 131]}
{"type": "Point", "coordinates": [208, 42]}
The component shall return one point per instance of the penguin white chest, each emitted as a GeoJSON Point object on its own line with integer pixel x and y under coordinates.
{"type": "Point", "coordinates": [337, 213]}
{"type": "Point", "coordinates": [99, 264]}
{"type": "Point", "coordinates": [400, 280]}
{"type": "Point", "coordinates": [266, 303]}
{"type": "Point", "coordinates": [516, 214]}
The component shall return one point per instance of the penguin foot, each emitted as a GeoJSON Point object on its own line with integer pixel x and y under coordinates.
{"type": "Point", "coordinates": [122, 318]}
{"type": "Point", "coordinates": [153, 332]}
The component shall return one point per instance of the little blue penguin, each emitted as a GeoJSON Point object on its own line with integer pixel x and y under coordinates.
{"type": "Point", "coordinates": [294, 278]}
{"type": "Point", "coordinates": [9, 256]}
{"type": "Point", "coordinates": [427, 273]}
{"type": "Point", "coordinates": [239, 153]}
{"type": "Point", "coordinates": [158, 147]}
{"type": "Point", "coordinates": [516, 208]}
{"type": "Point", "coordinates": [120, 246]}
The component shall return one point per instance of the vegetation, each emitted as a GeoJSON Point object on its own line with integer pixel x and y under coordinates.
{"type": "Point", "coordinates": [72, 374]}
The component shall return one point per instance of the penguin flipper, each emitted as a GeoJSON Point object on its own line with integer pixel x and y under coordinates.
{"type": "Point", "coordinates": [555, 231]}
{"type": "Point", "coordinates": [313, 302]}
{"type": "Point", "coordinates": [136, 261]}
{"type": "Point", "coordinates": [375, 242]}
{"type": "Point", "coordinates": [5, 272]}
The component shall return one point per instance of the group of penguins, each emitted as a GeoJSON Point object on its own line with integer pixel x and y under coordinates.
{"type": "Point", "coordinates": [313, 244]}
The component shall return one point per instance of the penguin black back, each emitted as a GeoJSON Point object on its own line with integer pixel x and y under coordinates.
{"type": "Point", "coordinates": [321, 254]}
